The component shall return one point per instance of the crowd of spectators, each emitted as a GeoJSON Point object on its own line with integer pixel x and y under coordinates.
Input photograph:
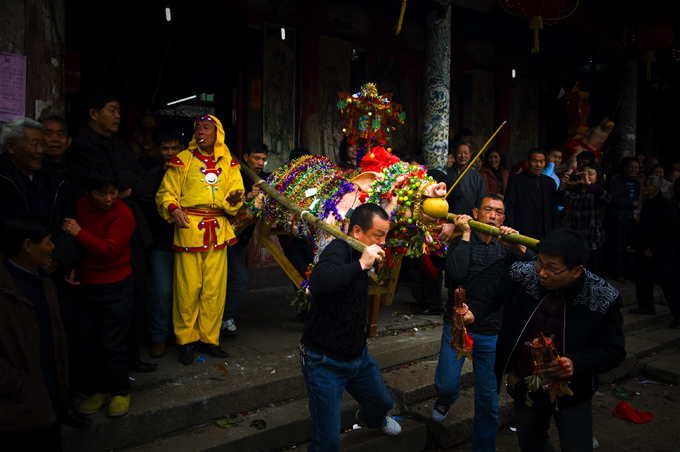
{"type": "Point", "coordinates": [95, 243]}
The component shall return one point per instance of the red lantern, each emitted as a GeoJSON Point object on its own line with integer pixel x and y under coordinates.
{"type": "Point", "coordinates": [537, 11]}
{"type": "Point", "coordinates": [655, 34]}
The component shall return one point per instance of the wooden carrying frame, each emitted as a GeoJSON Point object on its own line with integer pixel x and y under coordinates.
{"type": "Point", "coordinates": [378, 293]}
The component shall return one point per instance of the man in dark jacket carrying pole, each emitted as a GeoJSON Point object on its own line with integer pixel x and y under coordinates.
{"type": "Point", "coordinates": [557, 297]}
{"type": "Point", "coordinates": [333, 350]}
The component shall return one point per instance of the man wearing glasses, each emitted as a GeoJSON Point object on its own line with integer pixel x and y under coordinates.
{"type": "Point", "coordinates": [557, 297]}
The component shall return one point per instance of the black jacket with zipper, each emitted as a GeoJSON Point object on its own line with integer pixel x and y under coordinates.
{"type": "Point", "coordinates": [56, 202]}
{"type": "Point", "coordinates": [593, 334]}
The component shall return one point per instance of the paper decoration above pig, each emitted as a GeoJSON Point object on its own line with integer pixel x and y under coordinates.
{"type": "Point", "coordinates": [366, 114]}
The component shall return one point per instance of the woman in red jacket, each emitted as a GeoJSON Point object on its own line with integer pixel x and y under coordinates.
{"type": "Point", "coordinates": [494, 173]}
{"type": "Point", "coordinates": [102, 229]}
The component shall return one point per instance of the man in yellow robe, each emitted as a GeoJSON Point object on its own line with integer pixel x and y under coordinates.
{"type": "Point", "coordinates": [201, 186]}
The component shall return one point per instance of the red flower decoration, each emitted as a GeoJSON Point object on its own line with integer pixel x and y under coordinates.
{"type": "Point", "coordinates": [378, 159]}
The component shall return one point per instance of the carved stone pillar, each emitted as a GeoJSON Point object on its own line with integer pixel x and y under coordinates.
{"type": "Point", "coordinates": [437, 87]}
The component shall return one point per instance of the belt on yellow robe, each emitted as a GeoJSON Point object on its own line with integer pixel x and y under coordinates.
{"type": "Point", "coordinates": [206, 212]}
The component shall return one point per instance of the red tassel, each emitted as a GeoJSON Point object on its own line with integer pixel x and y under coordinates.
{"type": "Point", "coordinates": [430, 270]}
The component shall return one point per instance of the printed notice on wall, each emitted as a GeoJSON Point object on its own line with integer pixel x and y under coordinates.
{"type": "Point", "coordinates": [12, 86]}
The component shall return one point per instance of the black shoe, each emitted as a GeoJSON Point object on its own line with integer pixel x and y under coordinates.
{"type": "Point", "coordinates": [141, 366]}
{"type": "Point", "coordinates": [432, 310]}
{"type": "Point", "coordinates": [186, 354]}
{"type": "Point", "coordinates": [642, 311]}
{"type": "Point", "coordinates": [212, 350]}
{"type": "Point", "coordinates": [675, 323]}
{"type": "Point", "coordinates": [74, 419]}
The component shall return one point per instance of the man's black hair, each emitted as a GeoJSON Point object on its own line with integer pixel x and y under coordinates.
{"type": "Point", "coordinates": [571, 246]}
{"type": "Point", "coordinates": [363, 216]}
{"type": "Point", "coordinates": [344, 144]}
{"type": "Point", "coordinates": [55, 118]}
{"type": "Point", "coordinates": [18, 228]}
{"type": "Point", "coordinates": [258, 148]}
{"type": "Point", "coordinates": [97, 99]}
{"type": "Point", "coordinates": [533, 151]}
{"type": "Point", "coordinates": [297, 153]}
{"type": "Point", "coordinates": [586, 155]}
{"type": "Point", "coordinates": [419, 159]}
{"type": "Point", "coordinates": [464, 132]}
{"type": "Point", "coordinates": [493, 196]}
{"type": "Point", "coordinates": [97, 177]}
{"type": "Point", "coordinates": [168, 136]}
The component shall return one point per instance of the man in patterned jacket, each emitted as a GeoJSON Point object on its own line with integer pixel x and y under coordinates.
{"type": "Point", "coordinates": [201, 186]}
{"type": "Point", "coordinates": [580, 312]}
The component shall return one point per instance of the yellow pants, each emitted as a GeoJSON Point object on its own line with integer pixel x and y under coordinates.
{"type": "Point", "coordinates": [199, 290]}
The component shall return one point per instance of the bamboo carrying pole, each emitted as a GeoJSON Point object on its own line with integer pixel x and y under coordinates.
{"type": "Point", "coordinates": [496, 232]}
{"type": "Point", "coordinates": [304, 214]}
{"type": "Point", "coordinates": [354, 243]}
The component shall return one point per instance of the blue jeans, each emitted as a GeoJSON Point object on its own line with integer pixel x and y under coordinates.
{"type": "Point", "coordinates": [574, 425]}
{"type": "Point", "coordinates": [160, 304]}
{"type": "Point", "coordinates": [237, 280]}
{"type": "Point", "coordinates": [447, 384]}
{"type": "Point", "coordinates": [327, 380]}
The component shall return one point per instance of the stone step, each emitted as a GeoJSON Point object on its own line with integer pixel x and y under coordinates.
{"type": "Point", "coordinates": [457, 427]}
{"type": "Point", "coordinates": [287, 425]}
{"type": "Point", "coordinates": [663, 365]}
{"type": "Point", "coordinates": [169, 401]}
{"type": "Point", "coordinates": [265, 375]}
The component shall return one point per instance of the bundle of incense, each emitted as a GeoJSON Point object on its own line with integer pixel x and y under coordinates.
{"type": "Point", "coordinates": [543, 351]}
{"type": "Point", "coordinates": [460, 340]}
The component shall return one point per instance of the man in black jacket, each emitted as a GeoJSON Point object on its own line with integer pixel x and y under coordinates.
{"type": "Point", "coordinates": [531, 199]}
{"type": "Point", "coordinates": [555, 296]}
{"type": "Point", "coordinates": [26, 186]}
{"type": "Point", "coordinates": [33, 361]}
{"type": "Point", "coordinates": [161, 255]}
{"type": "Point", "coordinates": [333, 350]}
{"type": "Point", "coordinates": [655, 246]}
{"type": "Point", "coordinates": [475, 261]}
{"type": "Point", "coordinates": [237, 272]}
{"type": "Point", "coordinates": [96, 144]}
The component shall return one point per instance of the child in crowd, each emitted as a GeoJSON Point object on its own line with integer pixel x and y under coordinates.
{"type": "Point", "coordinates": [102, 229]}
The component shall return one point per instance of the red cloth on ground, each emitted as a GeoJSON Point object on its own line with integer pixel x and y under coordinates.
{"type": "Point", "coordinates": [624, 411]}
{"type": "Point", "coordinates": [104, 239]}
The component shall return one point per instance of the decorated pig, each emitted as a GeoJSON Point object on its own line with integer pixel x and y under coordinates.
{"type": "Point", "coordinates": [321, 188]}
{"type": "Point", "coordinates": [591, 140]}
{"type": "Point", "coordinates": [324, 190]}
{"type": "Point", "coordinates": [582, 138]}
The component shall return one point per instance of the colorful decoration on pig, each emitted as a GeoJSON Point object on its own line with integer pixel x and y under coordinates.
{"type": "Point", "coordinates": [320, 187]}
{"type": "Point", "coordinates": [365, 117]}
